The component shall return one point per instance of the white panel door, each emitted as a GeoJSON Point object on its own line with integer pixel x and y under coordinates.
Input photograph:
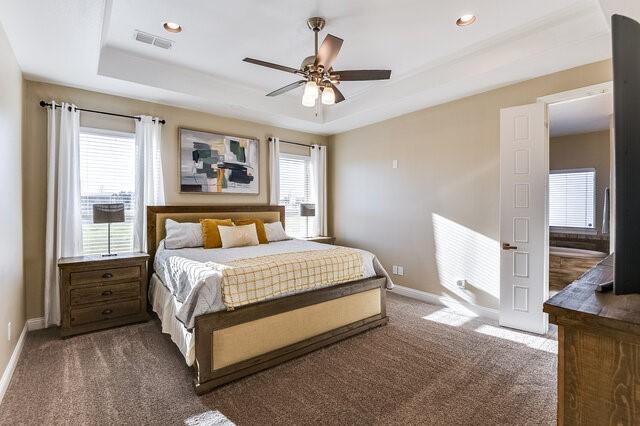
{"type": "Point", "coordinates": [524, 257]}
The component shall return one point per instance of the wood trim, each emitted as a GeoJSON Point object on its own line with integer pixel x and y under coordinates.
{"type": "Point", "coordinates": [207, 378]}
{"type": "Point", "coordinates": [294, 351]}
{"type": "Point", "coordinates": [152, 211]}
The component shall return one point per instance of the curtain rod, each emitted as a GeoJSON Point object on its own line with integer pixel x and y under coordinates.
{"type": "Point", "coordinates": [295, 143]}
{"type": "Point", "coordinates": [46, 104]}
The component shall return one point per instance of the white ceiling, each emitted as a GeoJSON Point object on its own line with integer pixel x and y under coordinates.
{"type": "Point", "coordinates": [90, 44]}
{"type": "Point", "coordinates": [580, 116]}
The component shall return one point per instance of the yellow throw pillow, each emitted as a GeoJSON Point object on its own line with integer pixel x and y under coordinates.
{"type": "Point", "coordinates": [210, 233]}
{"type": "Point", "coordinates": [262, 234]}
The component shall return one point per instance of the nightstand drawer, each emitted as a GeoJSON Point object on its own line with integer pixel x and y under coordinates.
{"type": "Point", "coordinates": [104, 312]}
{"type": "Point", "coordinates": [104, 276]}
{"type": "Point", "coordinates": [103, 293]}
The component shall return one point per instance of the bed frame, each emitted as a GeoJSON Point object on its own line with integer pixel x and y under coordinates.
{"type": "Point", "coordinates": [233, 344]}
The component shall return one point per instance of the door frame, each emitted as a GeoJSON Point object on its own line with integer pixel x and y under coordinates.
{"type": "Point", "coordinates": [582, 93]}
{"type": "Point", "coordinates": [577, 94]}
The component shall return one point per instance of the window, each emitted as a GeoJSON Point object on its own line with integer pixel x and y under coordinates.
{"type": "Point", "coordinates": [107, 175]}
{"type": "Point", "coordinates": [295, 188]}
{"type": "Point", "coordinates": [572, 198]}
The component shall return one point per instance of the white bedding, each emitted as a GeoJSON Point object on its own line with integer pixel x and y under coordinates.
{"type": "Point", "coordinates": [176, 312]}
{"type": "Point", "coordinates": [166, 306]}
{"type": "Point", "coordinates": [196, 287]}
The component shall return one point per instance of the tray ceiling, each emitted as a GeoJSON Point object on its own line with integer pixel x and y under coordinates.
{"type": "Point", "coordinates": [91, 44]}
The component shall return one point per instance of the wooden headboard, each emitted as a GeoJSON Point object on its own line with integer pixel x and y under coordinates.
{"type": "Point", "coordinates": [157, 216]}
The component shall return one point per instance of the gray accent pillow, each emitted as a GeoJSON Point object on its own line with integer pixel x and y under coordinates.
{"type": "Point", "coordinates": [275, 232]}
{"type": "Point", "coordinates": [182, 235]}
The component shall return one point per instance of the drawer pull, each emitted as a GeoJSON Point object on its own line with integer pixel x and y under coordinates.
{"type": "Point", "coordinates": [107, 312]}
{"type": "Point", "coordinates": [107, 275]}
{"type": "Point", "coordinates": [107, 293]}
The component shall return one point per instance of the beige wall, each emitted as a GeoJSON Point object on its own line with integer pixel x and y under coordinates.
{"type": "Point", "coordinates": [437, 214]}
{"type": "Point", "coordinates": [11, 267]}
{"type": "Point", "coordinates": [35, 146]}
{"type": "Point", "coordinates": [588, 150]}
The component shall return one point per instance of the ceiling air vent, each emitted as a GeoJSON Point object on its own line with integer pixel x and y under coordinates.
{"type": "Point", "coordinates": [147, 38]}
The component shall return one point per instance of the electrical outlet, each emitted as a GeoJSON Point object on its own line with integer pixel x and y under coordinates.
{"type": "Point", "coordinates": [394, 270]}
{"type": "Point", "coordinates": [462, 284]}
{"type": "Point", "coordinates": [394, 164]}
{"type": "Point", "coordinates": [400, 270]}
{"type": "Point", "coordinates": [9, 332]}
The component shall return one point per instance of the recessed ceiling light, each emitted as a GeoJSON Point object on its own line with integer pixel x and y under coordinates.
{"type": "Point", "coordinates": [172, 27]}
{"type": "Point", "coordinates": [465, 20]}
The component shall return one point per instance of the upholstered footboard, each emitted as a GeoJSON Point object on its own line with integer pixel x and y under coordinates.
{"type": "Point", "coordinates": [233, 344]}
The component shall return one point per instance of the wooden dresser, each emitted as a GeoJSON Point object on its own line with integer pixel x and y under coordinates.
{"type": "Point", "coordinates": [99, 292]}
{"type": "Point", "coordinates": [598, 352]}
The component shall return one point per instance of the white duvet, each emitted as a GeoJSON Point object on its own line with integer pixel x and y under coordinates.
{"type": "Point", "coordinates": [195, 286]}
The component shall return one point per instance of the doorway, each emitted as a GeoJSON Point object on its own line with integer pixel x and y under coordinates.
{"type": "Point", "coordinates": [579, 186]}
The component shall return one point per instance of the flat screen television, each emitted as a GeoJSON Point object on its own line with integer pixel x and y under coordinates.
{"type": "Point", "coordinates": [626, 82]}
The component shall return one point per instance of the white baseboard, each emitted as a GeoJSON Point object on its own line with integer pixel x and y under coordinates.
{"type": "Point", "coordinates": [11, 365]}
{"type": "Point", "coordinates": [462, 308]}
{"type": "Point", "coordinates": [35, 324]}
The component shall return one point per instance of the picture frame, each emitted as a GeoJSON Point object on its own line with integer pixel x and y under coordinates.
{"type": "Point", "coordinates": [218, 163]}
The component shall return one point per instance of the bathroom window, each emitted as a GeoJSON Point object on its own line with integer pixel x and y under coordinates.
{"type": "Point", "coordinates": [572, 198]}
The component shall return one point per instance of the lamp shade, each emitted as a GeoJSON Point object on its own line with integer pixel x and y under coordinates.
{"type": "Point", "coordinates": [108, 213]}
{"type": "Point", "coordinates": [307, 209]}
{"type": "Point", "coordinates": [328, 96]}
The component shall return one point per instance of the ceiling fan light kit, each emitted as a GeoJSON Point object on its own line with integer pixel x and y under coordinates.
{"type": "Point", "coordinates": [311, 90]}
{"type": "Point", "coordinates": [328, 96]}
{"type": "Point", "coordinates": [319, 77]}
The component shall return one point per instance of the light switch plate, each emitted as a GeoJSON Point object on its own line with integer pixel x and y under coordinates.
{"type": "Point", "coordinates": [395, 164]}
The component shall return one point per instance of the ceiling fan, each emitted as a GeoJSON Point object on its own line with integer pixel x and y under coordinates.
{"type": "Point", "coordinates": [319, 77]}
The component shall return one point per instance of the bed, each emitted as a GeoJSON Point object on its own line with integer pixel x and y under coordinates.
{"type": "Point", "coordinates": [225, 343]}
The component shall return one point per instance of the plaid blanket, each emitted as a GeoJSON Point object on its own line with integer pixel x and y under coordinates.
{"type": "Point", "coordinates": [261, 278]}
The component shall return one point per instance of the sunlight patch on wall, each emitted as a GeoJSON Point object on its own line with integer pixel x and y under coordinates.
{"type": "Point", "coordinates": [464, 254]}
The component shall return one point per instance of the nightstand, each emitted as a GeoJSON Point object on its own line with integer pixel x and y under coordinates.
{"type": "Point", "coordinates": [320, 239]}
{"type": "Point", "coordinates": [99, 292]}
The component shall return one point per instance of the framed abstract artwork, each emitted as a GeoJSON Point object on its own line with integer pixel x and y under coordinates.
{"type": "Point", "coordinates": [214, 163]}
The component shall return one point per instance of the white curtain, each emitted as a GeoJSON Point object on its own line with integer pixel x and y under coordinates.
{"type": "Point", "coordinates": [319, 188]}
{"type": "Point", "coordinates": [274, 172]}
{"type": "Point", "coordinates": [63, 235]}
{"type": "Point", "coordinates": [149, 180]}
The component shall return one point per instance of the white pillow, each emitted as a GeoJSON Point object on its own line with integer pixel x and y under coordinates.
{"type": "Point", "coordinates": [182, 235]}
{"type": "Point", "coordinates": [275, 232]}
{"type": "Point", "coordinates": [238, 236]}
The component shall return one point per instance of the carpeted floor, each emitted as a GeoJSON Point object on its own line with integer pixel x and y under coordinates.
{"type": "Point", "coordinates": [427, 366]}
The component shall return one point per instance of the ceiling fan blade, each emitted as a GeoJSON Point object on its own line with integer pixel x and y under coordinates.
{"type": "Point", "coordinates": [328, 51]}
{"type": "Point", "coordinates": [339, 95]}
{"type": "Point", "coordinates": [271, 65]}
{"type": "Point", "coordinates": [286, 88]}
{"type": "Point", "coordinates": [362, 75]}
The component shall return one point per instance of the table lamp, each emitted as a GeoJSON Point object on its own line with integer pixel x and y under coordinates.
{"type": "Point", "coordinates": [307, 210]}
{"type": "Point", "coordinates": [108, 213]}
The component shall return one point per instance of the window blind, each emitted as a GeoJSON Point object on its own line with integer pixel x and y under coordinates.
{"type": "Point", "coordinates": [107, 175]}
{"type": "Point", "coordinates": [295, 188]}
{"type": "Point", "coordinates": [572, 198]}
